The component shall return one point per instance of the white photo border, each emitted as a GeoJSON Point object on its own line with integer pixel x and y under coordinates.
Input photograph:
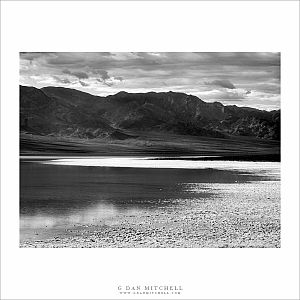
{"type": "Point", "coordinates": [183, 26]}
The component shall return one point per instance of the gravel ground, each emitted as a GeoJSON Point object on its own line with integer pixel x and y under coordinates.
{"type": "Point", "coordinates": [235, 216]}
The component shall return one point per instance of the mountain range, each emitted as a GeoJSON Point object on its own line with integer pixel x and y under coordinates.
{"type": "Point", "coordinates": [64, 112]}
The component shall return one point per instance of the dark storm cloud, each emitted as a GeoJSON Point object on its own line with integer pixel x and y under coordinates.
{"type": "Point", "coordinates": [261, 59]}
{"type": "Point", "coordinates": [205, 74]}
{"type": "Point", "coordinates": [66, 71]}
{"type": "Point", "coordinates": [222, 83]}
{"type": "Point", "coordinates": [103, 74]}
{"type": "Point", "coordinates": [120, 78]}
{"type": "Point", "coordinates": [107, 54]}
{"type": "Point", "coordinates": [63, 60]}
{"type": "Point", "coordinates": [146, 60]}
{"type": "Point", "coordinates": [29, 56]}
{"type": "Point", "coordinates": [34, 55]}
{"type": "Point", "coordinates": [78, 74]}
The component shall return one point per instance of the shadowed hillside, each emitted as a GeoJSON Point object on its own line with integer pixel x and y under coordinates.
{"type": "Point", "coordinates": [56, 113]}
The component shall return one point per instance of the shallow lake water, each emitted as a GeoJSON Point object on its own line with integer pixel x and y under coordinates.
{"type": "Point", "coordinates": [56, 194]}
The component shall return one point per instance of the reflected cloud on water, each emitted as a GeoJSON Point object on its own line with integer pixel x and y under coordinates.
{"type": "Point", "coordinates": [58, 193]}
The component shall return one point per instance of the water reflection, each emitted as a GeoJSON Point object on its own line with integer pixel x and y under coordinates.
{"type": "Point", "coordinates": [58, 195]}
{"type": "Point", "coordinates": [169, 163]}
{"type": "Point", "coordinates": [91, 215]}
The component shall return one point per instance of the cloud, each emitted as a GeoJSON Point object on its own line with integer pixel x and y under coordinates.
{"type": "Point", "coordinates": [271, 88]}
{"type": "Point", "coordinates": [103, 74]}
{"type": "Point", "coordinates": [78, 74]}
{"type": "Point", "coordinates": [107, 82]}
{"type": "Point", "coordinates": [30, 56]}
{"type": "Point", "coordinates": [120, 78]}
{"type": "Point", "coordinates": [254, 76]}
{"type": "Point", "coordinates": [62, 80]}
{"type": "Point", "coordinates": [225, 83]}
{"type": "Point", "coordinates": [106, 79]}
{"type": "Point", "coordinates": [152, 61]}
{"type": "Point", "coordinates": [66, 71]}
{"type": "Point", "coordinates": [229, 96]}
{"type": "Point", "coordinates": [83, 83]}
{"type": "Point", "coordinates": [222, 96]}
{"type": "Point", "coordinates": [63, 59]}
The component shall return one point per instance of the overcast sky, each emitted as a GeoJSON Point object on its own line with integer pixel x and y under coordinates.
{"type": "Point", "coordinates": [245, 79]}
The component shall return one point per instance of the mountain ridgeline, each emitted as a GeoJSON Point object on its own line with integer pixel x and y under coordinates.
{"type": "Point", "coordinates": [57, 111]}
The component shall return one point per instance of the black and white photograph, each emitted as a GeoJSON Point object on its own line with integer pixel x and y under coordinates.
{"type": "Point", "coordinates": [150, 149]}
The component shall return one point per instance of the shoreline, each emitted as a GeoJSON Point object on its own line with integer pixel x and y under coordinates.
{"type": "Point", "coordinates": [254, 158]}
{"type": "Point", "coordinates": [237, 216]}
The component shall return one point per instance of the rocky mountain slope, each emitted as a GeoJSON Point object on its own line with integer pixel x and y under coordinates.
{"type": "Point", "coordinates": [57, 111]}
